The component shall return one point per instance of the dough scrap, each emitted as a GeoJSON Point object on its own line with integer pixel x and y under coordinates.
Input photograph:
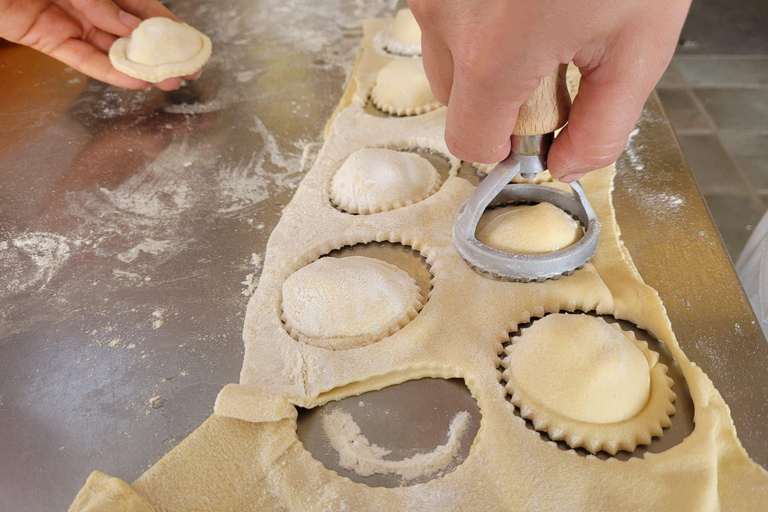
{"type": "Point", "coordinates": [589, 383]}
{"type": "Point", "coordinates": [402, 89]}
{"type": "Point", "coordinates": [374, 180]}
{"type": "Point", "coordinates": [160, 48]}
{"type": "Point", "coordinates": [341, 303]}
{"type": "Point", "coordinates": [403, 37]}
{"type": "Point", "coordinates": [358, 454]}
{"type": "Point", "coordinates": [537, 229]}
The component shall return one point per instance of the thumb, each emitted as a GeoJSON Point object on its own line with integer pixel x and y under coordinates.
{"type": "Point", "coordinates": [107, 16]}
{"type": "Point", "coordinates": [603, 114]}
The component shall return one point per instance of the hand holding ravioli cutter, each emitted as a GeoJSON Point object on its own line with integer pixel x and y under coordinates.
{"type": "Point", "coordinates": [545, 111]}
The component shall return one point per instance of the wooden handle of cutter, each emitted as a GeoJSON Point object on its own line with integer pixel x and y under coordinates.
{"type": "Point", "coordinates": [547, 108]}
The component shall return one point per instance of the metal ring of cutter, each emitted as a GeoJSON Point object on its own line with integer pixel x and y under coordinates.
{"type": "Point", "coordinates": [495, 190]}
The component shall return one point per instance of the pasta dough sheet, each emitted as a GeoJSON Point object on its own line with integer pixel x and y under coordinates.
{"type": "Point", "coordinates": [247, 455]}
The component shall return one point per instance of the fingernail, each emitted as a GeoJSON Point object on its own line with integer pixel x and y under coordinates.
{"type": "Point", "coordinates": [570, 178]}
{"type": "Point", "coordinates": [129, 20]}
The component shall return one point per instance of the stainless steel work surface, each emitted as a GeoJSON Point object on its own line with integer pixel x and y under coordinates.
{"type": "Point", "coordinates": [128, 221]}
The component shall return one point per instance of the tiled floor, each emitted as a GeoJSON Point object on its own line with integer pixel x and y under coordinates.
{"type": "Point", "coordinates": [718, 106]}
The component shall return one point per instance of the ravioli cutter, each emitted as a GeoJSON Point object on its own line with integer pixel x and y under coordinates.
{"type": "Point", "coordinates": [545, 112]}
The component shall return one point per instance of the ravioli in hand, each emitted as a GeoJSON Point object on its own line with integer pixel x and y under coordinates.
{"type": "Point", "coordinates": [161, 48]}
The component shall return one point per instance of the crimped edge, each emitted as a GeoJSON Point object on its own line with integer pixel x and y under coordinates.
{"type": "Point", "coordinates": [350, 206]}
{"type": "Point", "coordinates": [609, 437]}
{"type": "Point", "coordinates": [389, 46]}
{"type": "Point", "coordinates": [361, 340]}
{"type": "Point", "coordinates": [402, 111]}
{"type": "Point", "coordinates": [118, 56]}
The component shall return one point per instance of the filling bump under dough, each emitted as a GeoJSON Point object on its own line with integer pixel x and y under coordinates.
{"type": "Point", "coordinates": [588, 382]}
{"type": "Point", "coordinates": [374, 180]}
{"type": "Point", "coordinates": [341, 303]}
{"type": "Point", "coordinates": [404, 36]}
{"type": "Point", "coordinates": [535, 229]}
{"type": "Point", "coordinates": [402, 89]}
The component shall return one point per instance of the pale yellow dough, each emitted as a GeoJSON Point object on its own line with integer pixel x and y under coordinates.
{"type": "Point", "coordinates": [537, 229]}
{"type": "Point", "coordinates": [404, 35]}
{"type": "Point", "coordinates": [589, 383]}
{"type": "Point", "coordinates": [373, 180]}
{"type": "Point", "coordinates": [160, 48]}
{"type": "Point", "coordinates": [402, 89]}
{"type": "Point", "coordinates": [247, 456]}
{"type": "Point", "coordinates": [348, 302]}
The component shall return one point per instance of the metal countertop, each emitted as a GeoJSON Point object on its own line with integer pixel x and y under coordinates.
{"type": "Point", "coordinates": [128, 221]}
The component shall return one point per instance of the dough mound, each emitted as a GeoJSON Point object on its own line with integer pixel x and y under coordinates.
{"type": "Point", "coordinates": [341, 303]}
{"type": "Point", "coordinates": [588, 382]}
{"type": "Point", "coordinates": [374, 180]}
{"type": "Point", "coordinates": [403, 36]}
{"type": "Point", "coordinates": [538, 229]}
{"type": "Point", "coordinates": [402, 89]}
{"type": "Point", "coordinates": [160, 48]}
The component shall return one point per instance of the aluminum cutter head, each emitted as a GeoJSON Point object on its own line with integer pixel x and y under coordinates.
{"type": "Point", "coordinates": [496, 190]}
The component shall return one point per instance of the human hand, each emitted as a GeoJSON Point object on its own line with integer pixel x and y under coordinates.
{"type": "Point", "coordinates": [80, 32]}
{"type": "Point", "coordinates": [486, 57]}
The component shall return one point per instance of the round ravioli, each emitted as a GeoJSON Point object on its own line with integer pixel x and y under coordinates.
{"type": "Point", "coordinates": [588, 382]}
{"type": "Point", "coordinates": [402, 89]}
{"type": "Point", "coordinates": [373, 180]}
{"type": "Point", "coordinates": [160, 48]}
{"type": "Point", "coordinates": [341, 303]}
{"type": "Point", "coordinates": [403, 36]}
{"type": "Point", "coordinates": [537, 229]}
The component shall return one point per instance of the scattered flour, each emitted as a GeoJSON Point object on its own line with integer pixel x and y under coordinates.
{"type": "Point", "coordinates": [148, 246]}
{"type": "Point", "coordinates": [32, 259]}
{"type": "Point", "coordinates": [357, 454]}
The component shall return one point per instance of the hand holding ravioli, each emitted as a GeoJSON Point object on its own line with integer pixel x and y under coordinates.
{"type": "Point", "coordinates": [80, 33]}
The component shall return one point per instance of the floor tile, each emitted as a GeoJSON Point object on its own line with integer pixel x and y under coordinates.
{"type": "Point", "coordinates": [711, 166]}
{"type": "Point", "coordinates": [672, 78]}
{"type": "Point", "coordinates": [750, 152]}
{"type": "Point", "coordinates": [736, 109]}
{"type": "Point", "coordinates": [723, 71]}
{"type": "Point", "coordinates": [735, 218]}
{"type": "Point", "coordinates": [683, 111]}
{"type": "Point", "coordinates": [726, 27]}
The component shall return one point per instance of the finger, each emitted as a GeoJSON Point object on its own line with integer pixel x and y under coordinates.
{"type": "Point", "coordinates": [146, 9]}
{"type": "Point", "coordinates": [90, 61]}
{"type": "Point", "coordinates": [169, 84]}
{"type": "Point", "coordinates": [438, 65]}
{"type": "Point", "coordinates": [194, 76]}
{"type": "Point", "coordinates": [603, 114]}
{"type": "Point", "coordinates": [482, 113]}
{"type": "Point", "coordinates": [99, 39]}
{"type": "Point", "coordinates": [107, 16]}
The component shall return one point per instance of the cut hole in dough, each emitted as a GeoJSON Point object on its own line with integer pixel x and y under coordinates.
{"type": "Point", "coordinates": [404, 35]}
{"type": "Point", "coordinates": [341, 303]}
{"type": "Point", "coordinates": [402, 89]}
{"type": "Point", "coordinates": [386, 438]}
{"type": "Point", "coordinates": [589, 383]}
{"type": "Point", "coordinates": [160, 48]}
{"type": "Point", "coordinates": [373, 180]}
{"type": "Point", "coordinates": [525, 229]}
